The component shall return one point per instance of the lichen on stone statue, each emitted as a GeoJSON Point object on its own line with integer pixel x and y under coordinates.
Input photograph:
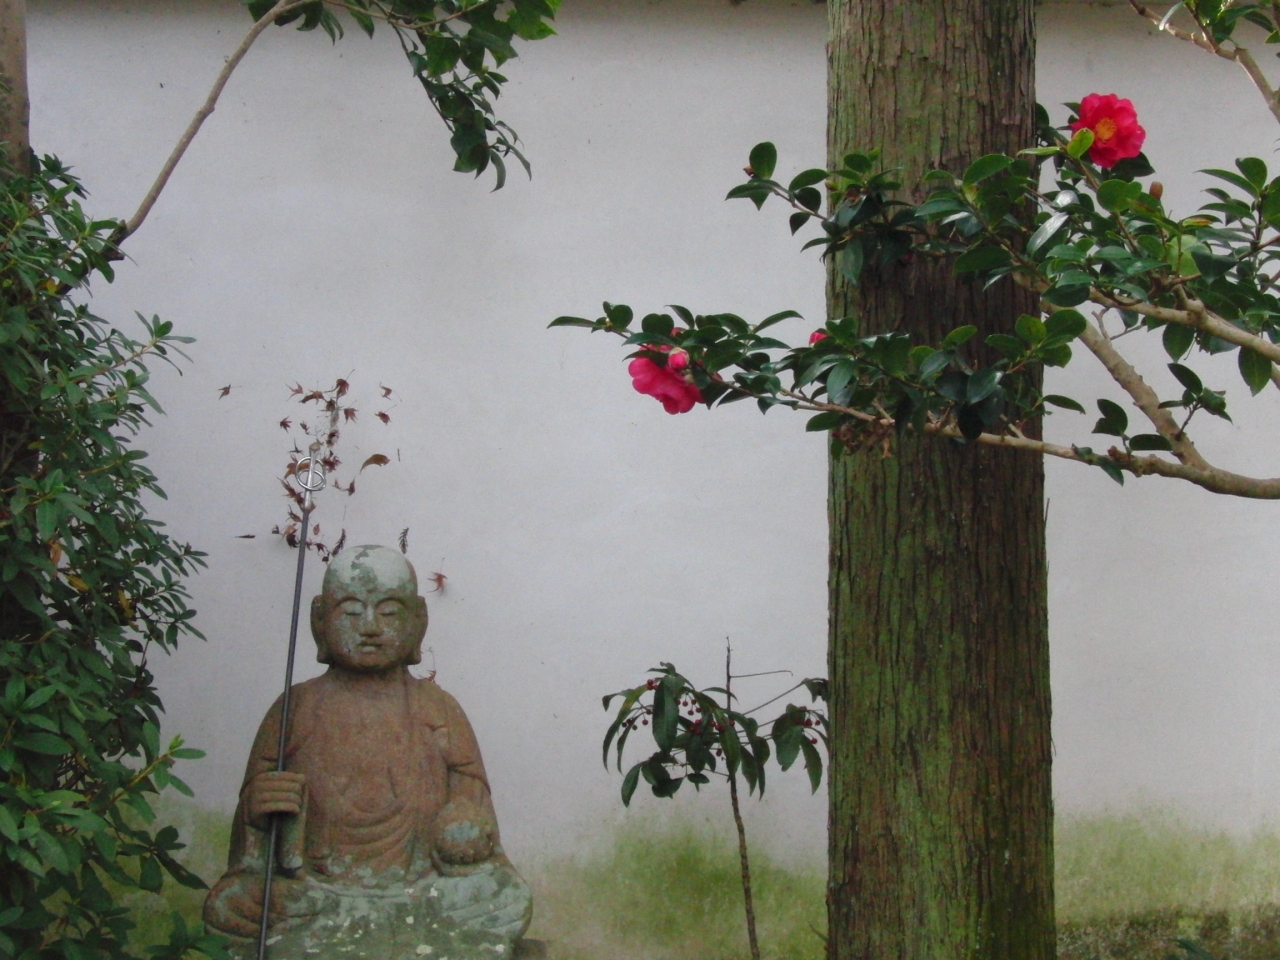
{"type": "Point", "coordinates": [389, 848]}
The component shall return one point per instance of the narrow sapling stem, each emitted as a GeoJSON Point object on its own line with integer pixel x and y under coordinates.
{"type": "Point", "coordinates": [743, 858]}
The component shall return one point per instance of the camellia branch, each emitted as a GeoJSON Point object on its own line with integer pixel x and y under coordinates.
{"type": "Point", "coordinates": [1200, 472]}
{"type": "Point", "coordinates": [1197, 316]}
{"type": "Point", "coordinates": [1143, 396]}
{"type": "Point", "coordinates": [1204, 41]}
{"type": "Point", "coordinates": [129, 227]}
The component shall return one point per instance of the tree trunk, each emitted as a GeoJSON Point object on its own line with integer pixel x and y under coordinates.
{"type": "Point", "coordinates": [15, 107]}
{"type": "Point", "coordinates": [941, 807]}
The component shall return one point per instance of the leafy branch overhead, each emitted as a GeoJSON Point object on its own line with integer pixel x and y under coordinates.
{"type": "Point", "coordinates": [454, 48]}
{"type": "Point", "coordinates": [1098, 237]}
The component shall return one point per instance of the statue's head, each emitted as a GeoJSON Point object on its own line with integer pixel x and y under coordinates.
{"type": "Point", "coordinates": [369, 617]}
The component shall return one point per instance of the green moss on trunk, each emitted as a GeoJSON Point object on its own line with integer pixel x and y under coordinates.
{"type": "Point", "coordinates": [941, 812]}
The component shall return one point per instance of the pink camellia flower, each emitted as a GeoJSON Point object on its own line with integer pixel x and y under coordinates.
{"type": "Point", "coordinates": [666, 384]}
{"type": "Point", "coordinates": [1114, 122]}
{"type": "Point", "coordinates": [816, 336]}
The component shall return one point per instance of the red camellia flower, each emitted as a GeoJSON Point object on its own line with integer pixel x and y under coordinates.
{"type": "Point", "coordinates": [666, 384]}
{"type": "Point", "coordinates": [816, 336]}
{"type": "Point", "coordinates": [1114, 122]}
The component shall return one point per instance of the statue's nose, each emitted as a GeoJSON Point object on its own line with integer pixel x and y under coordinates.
{"type": "Point", "coordinates": [369, 624]}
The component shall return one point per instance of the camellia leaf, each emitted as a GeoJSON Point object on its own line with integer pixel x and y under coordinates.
{"type": "Point", "coordinates": [1045, 232]}
{"type": "Point", "coordinates": [958, 336]}
{"type": "Point", "coordinates": [981, 259]}
{"type": "Point", "coordinates": [1187, 377]}
{"type": "Point", "coordinates": [1149, 441]}
{"type": "Point", "coordinates": [1178, 340]}
{"type": "Point", "coordinates": [763, 159]}
{"type": "Point", "coordinates": [807, 178]}
{"type": "Point", "coordinates": [1066, 323]}
{"type": "Point", "coordinates": [1255, 369]}
{"type": "Point", "coordinates": [1010, 347]}
{"type": "Point", "coordinates": [827, 420]}
{"type": "Point", "coordinates": [1031, 329]}
{"type": "Point", "coordinates": [1079, 144]}
{"type": "Point", "coordinates": [985, 167]}
{"type": "Point", "coordinates": [1114, 421]}
{"type": "Point", "coordinates": [1065, 402]}
{"type": "Point", "coordinates": [982, 384]}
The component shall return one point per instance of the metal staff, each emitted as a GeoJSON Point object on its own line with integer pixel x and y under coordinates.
{"type": "Point", "coordinates": [312, 482]}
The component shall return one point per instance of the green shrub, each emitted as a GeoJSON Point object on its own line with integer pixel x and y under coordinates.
{"type": "Point", "coordinates": [90, 588]}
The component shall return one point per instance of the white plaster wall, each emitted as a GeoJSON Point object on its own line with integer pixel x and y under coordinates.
{"type": "Point", "coordinates": [315, 231]}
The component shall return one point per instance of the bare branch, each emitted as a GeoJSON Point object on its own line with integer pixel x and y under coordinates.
{"type": "Point", "coordinates": [1201, 473]}
{"type": "Point", "coordinates": [1243, 57]}
{"type": "Point", "coordinates": [1144, 398]}
{"type": "Point", "coordinates": [131, 226]}
{"type": "Point", "coordinates": [1237, 53]}
{"type": "Point", "coordinates": [1196, 315]}
{"type": "Point", "coordinates": [1199, 40]}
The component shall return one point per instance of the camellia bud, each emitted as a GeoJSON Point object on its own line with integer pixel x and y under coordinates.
{"type": "Point", "coordinates": [1156, 189]}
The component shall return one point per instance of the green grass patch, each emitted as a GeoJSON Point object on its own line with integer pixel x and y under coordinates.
{"type": "Point", "coordinates": [207, 834]}
{"type": "Point", "coordinates": [1130, 884]}
{"type": "Point", "coordinates": [668, 888]}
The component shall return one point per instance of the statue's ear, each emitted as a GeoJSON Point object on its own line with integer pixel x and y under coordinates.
{"type": "Point", "coordinates": [317, 629]}
{"type": "Point", "coordinates": [420, 628]}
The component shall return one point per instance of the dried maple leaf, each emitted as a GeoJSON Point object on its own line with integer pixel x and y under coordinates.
{"type": "Point", "coordinates": [376, 460]}
{"type": "Point", "coordinates": [223, 391]}
{"type": "Point", "coordinates": [383, 416]}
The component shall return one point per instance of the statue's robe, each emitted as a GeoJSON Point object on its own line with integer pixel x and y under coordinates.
{"type": "Point", "coordinates": [381, 760]}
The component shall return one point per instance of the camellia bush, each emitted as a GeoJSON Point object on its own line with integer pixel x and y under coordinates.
{"type": "Point", "coordinates": [1073, 217]}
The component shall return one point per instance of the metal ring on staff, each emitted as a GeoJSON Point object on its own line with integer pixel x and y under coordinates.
{"type": "Point", "coordinates": [310, 475]}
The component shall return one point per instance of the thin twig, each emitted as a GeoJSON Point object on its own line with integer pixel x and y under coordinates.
{"type": "Point", "coordinates": [131, 226]}
{"type": "Point", "coordinates": [752, 941]}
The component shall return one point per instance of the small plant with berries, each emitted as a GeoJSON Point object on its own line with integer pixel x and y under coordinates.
{"type": "Point", "coordinates": [699, 734]}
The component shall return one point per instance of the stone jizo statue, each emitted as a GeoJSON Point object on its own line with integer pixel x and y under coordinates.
{"type": "Point", "coordinates": [390, 846]}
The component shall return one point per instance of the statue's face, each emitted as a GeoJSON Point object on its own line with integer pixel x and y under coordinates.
{"type": "Point", "coordinates": [370, 619]}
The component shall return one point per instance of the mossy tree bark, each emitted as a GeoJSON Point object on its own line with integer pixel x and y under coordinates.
{"type": "Point", "coordinates": [941, 811]}
{"type": "Point", "coordinates": [14, 105]}
{"type": "Point", "coordinates": [14, 120]}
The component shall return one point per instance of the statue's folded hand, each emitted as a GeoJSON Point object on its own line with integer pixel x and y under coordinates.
{"type": "Point", "coordinates": [270, 793]}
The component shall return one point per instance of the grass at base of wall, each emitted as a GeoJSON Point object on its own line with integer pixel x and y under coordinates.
{"type": "Point", "coordinates": [206, 834]}
{"type": "Point", "coordinates": [1129, 884]}
{"type": "Point", "coordinates": [670, 889]}
{"type": "Point", "coordinates": [667, 888]}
